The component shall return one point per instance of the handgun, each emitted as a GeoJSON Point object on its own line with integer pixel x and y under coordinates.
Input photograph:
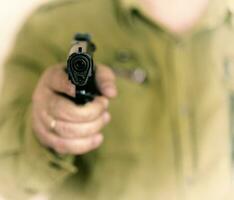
{"type": "Point", "coordinates": [81, 69]}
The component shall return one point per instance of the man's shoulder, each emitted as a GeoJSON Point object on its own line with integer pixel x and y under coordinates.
{"type": "Point", "coordinates": [64, 17]}
{"type": "Point", "coordinates": [57, 4]}
{"type": "Point", "coordinates": [56, 23]}
{"type": "Point", "coordinates": [75, 10]}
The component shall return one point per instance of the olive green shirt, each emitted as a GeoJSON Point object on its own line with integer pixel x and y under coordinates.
{"type": "Point", "coordinates": [172, 124]}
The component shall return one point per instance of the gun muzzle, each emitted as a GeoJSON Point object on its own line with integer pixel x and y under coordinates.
{"type": "Point", "coordinates": [81, 68]}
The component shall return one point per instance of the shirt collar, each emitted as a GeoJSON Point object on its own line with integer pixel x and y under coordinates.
{"type": "Point", "coordinates": [214, 15]}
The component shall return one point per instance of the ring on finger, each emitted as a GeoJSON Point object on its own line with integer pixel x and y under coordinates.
{"type": "Point", "coordinates": [53, 123]}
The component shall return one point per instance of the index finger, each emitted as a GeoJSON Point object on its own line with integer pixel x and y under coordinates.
{"type": "Point", "coordinates": [64, 109]}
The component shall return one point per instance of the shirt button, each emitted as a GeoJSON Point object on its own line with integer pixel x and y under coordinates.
{"type": "Point", "coordinates": [139, 75]}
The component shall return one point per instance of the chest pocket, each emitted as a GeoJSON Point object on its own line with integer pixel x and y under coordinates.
{"type": "Point", "coordinates": [126, 66]}
{"type": "Point", "coordinates": [132, 87]}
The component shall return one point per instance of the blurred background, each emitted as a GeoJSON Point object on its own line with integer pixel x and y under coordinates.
{"type": "Point", "coordinates": [12, 15]}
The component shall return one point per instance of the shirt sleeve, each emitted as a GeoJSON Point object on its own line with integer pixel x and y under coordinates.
{"type": "Point", "coordinates": [31, 166]}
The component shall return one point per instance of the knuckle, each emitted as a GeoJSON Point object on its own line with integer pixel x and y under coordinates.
{"type": "Point", "coordinates": [54, 109]}
{"type": "Point", "coordinates": [88, 130]}
{"type": "Point", "coordinates": [63, 128]}
{"type": "Point", "coordinates": [92, 110]}
{"type": "Point", "coordinates": [50, 71]}
{"type": "Point", "coordinates": [98, 106]}
{"type": "Point", "coordinates": [86, 146]}
{"type": "Point", "coordinates": [58, 108]}
{"type": "Point", "coordinates": [67, 131]}
{"type": "Point", "coordinates": [104, 104]}
{"type": "Point", "coordinates": [71, 135]}
{"type": "Point", "coordinates": [54, 103]}
{"type": "Point", "coordinates": [84, 149]}
{"type": "Point", "coordinates": [82, 132]}
{"type": "Point", "coordinates": [107, 73]}
{"type": "Point", "coordinates": [107, 84]}
{"type": "Point", "coordinates": [100, 124]}
{"type": "Point", "coordinates": [71, 90]}
{"type": "Point", "coordinates": [36, 96]}
{"type": "Point", "coordinates": [92, 142]}
{"type": "Point", "coordinates": [42, 136]}
{"type": "Point", "coordinates": [111, 74]}
{"type": "Point", "coordinates": [39, 133]}
{"type": "Point", "coordinates": [65, 84]}
{"type": "Point", "coordinates": [95, 127]}
{"type": "Point", "coordinates": [88, 115]}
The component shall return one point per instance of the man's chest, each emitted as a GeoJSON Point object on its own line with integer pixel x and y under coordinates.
{"type": "Point", "coordinates": [180, 115]}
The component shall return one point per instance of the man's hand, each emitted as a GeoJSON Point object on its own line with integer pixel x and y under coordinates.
{"type": "Point", "coordinates": [64, 126]}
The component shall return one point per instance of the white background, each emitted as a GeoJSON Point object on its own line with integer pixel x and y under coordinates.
{"type": "Point", "coordinates": [12, 15]}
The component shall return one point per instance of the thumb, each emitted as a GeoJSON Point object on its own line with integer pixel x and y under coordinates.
{"type": "Point", "coordinates": [105, 78]}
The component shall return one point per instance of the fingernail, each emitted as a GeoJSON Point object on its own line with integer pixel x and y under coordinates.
{"type": "Point", "coordinates": [106, 102]}
{"type": "Point", "coordinates": [98, 139]}
{"type": "Point", "coordinates": [106, 117]}
{"type": "Point", "coordinates": [110, 91]}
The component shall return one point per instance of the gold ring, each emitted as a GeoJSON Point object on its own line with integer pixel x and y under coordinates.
{"type": "Point", "coordinates": [53, 124]}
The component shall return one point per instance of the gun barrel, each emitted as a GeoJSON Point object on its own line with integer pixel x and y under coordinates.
{"type": "Point", "coordinates": [81, 68]}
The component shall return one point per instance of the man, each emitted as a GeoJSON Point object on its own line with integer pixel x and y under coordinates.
{"type": "Point", "coordinates": [169, 138]}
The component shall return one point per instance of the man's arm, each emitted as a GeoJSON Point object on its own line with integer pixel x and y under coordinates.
{"type": "Point", "coordinates": [26, 161]}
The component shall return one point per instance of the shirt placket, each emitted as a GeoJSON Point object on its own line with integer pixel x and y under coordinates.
{"type": "Point", "coordinates": [183, 139]}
